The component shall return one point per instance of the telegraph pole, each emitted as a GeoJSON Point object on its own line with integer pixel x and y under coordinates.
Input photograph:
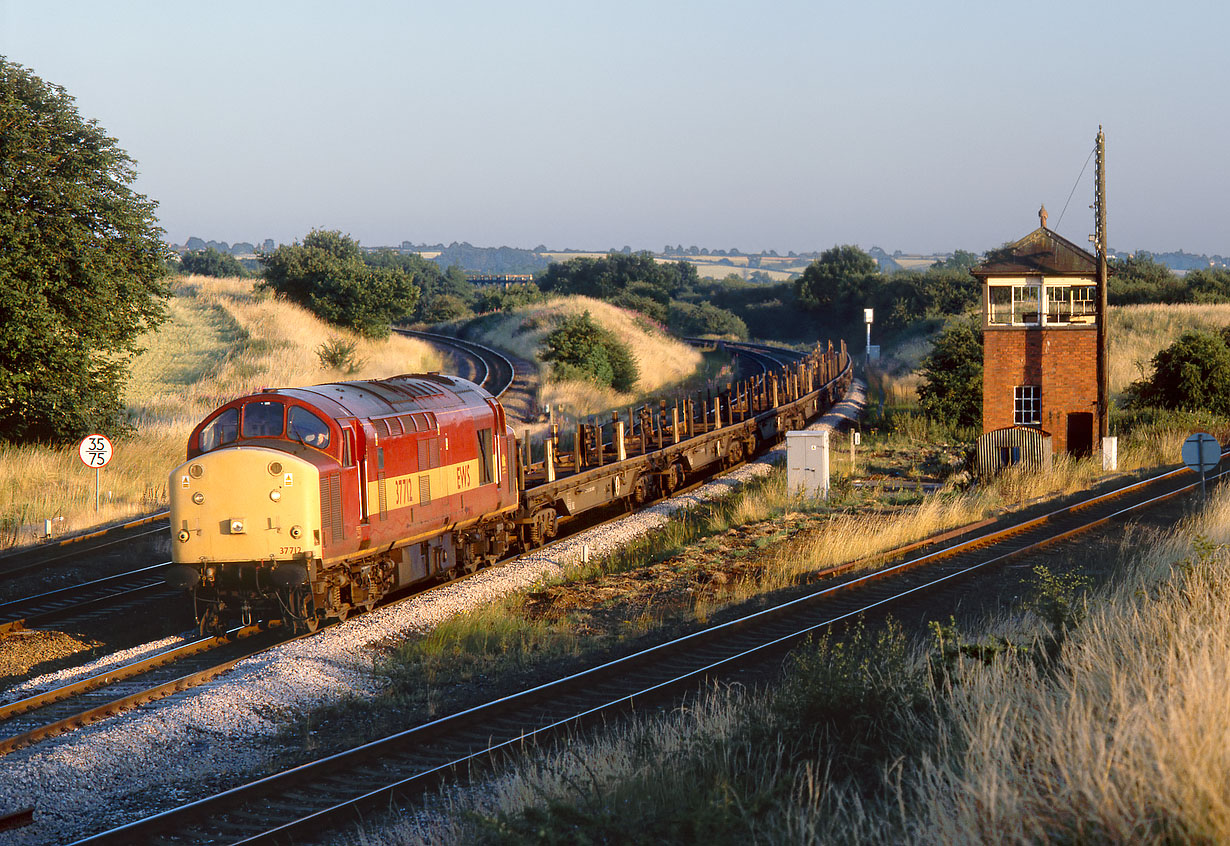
{"type": "Point", "coordinates": [1099, 241]}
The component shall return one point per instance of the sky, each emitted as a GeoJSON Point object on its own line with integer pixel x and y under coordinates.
{"type": "Point", "coordinates": [912, 126]}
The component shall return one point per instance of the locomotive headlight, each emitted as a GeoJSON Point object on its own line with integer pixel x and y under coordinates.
{"type": "Point", "coordinates": [183, 536]}
{"type": "Point", "coordinates": [236, 527]}
{"type": "Point", "coordinates": [198, 497]}
{"type": "Point", "coordinates": [275, 495]}
{"type": "Point", "coordinates": [296, 532]}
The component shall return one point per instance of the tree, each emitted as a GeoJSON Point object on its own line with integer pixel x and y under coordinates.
{"type": "Point", "coordinates": [326, 274]}
{"type": "Point", "coordinates": [210, 262]}
{"type": "Point", "coordinates": [951, 391]}
{"type": "Point", "coordinates": [81, 271]}
{"type": "Point", "coordinates": [581, 349]}
{"type": "Point", "coordinates": [1192, 374]}
{"type": "Point", "coordinates": [836, 278]}
{"type": "Point", "coordinates": [705, 319]}
{"type": "Point", "coordinates": [617, 273]}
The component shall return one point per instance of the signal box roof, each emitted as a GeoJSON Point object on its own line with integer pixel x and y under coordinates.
{"type": "Point", "coordinates": [1041, 252]}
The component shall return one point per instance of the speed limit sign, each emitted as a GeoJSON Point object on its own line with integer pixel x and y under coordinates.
{"type": "Point", "coordinates": [95, 451]}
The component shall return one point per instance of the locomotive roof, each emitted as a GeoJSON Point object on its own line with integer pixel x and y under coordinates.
{"type": "Point", "coordinates": [396, 395]}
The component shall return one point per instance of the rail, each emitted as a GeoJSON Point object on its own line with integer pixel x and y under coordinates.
{"type": "Point", "coordinates": [288, 806]}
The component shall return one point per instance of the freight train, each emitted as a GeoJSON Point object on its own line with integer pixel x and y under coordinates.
{"type": "Point", "coordinates": [302, 504]}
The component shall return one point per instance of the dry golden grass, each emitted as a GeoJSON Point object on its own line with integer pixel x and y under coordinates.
{"type": "Point", "coordinates": [663, 361]}
{"type": "Point", "coordinates": [222, 340]}
{"type": "Point", "coordinates": [1129, 743]}
{"type": "Point", "coordinates": [1137, 333]}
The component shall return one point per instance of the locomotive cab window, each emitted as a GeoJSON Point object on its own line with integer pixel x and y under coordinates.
{"type": "Point", "coordinates": [262, 419]}
{"type": "Point", "coordinates": [485, 453]}
{"type": "Point", "coordinates": [222, 430]}
{"type": "Point", "coordinates": [305, 427]}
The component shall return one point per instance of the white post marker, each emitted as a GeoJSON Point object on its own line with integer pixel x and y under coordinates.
{"type": "Point", "coordinates": [1202, 453]}
{"type": "Point", "coordinates": [95, 451]}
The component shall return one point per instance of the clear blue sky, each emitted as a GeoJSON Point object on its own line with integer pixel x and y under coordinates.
{"type": "Point", "coordinates": [767, 125]}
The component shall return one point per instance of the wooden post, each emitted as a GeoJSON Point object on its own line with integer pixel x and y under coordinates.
{"type": "Point", "coordinates": [717, 412]}
{"type": "Point", "coordinates": [675, 424]}
{"type": "Point", "coordinates": [621, 452]}
{"type": "Point", "coordinates": [578, 447]}
{"type": "Point", "coordinates": [548, 459]}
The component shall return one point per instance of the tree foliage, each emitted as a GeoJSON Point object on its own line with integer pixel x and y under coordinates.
{"type": "Point", "coordinates": [705, 319]}
{"type": "Point", "coordinates": [836, 277]}
{"type": "Point", "coordinates": [617, 274]}
{"type": "Point", "coordinates": [211, 262]}
{"type": "Point", "coordinates": [327, 275]}
{"type": "Point", "coordinates": [1192, 374]}
{"type": "Point", "coordinates": [845, 280]}
{"type": "Point", "coordinates": [951, 390]}
{"type": "Point", "coordinates": [81, 267]}
{"type": "Point", "coordinates": [581, 349]}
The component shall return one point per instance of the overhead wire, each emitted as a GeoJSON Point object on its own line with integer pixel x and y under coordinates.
{"type": "Point", "coordinates": [1073, 191]}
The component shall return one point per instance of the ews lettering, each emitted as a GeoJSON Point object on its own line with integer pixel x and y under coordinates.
{"type": "Point", "coordinates": [463, 477]}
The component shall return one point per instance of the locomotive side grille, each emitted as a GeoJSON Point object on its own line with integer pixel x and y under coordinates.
{"type": "Point", "coordinates": [331, 505]}
{"type": "Point", "coordinates": [384, 498]}
{"type": "Point", "coordinates": [424, 488]}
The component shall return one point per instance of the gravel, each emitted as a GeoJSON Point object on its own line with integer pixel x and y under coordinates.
{"type": "Point", "coordinates": [220, 734]}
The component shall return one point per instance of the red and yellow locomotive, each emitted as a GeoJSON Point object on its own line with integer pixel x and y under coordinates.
{"type": "Point", "coordinates": [304, 503]}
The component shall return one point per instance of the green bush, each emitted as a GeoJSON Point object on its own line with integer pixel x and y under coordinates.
{"type": "Point", "coordinates": [581, 349]}
{"type": "Point", "coordinates": [1192, 374]}
{"type": "Point", "coordinates": [705, 319]}
{"type": "Point", "coordinates": [339, 354]}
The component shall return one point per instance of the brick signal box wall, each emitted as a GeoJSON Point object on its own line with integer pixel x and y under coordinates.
{"type": "Point", "coordinates": [1062, 360]}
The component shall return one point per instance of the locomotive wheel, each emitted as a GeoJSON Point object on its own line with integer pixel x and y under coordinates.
{"type": "Point", "coordinates": [305, 612]}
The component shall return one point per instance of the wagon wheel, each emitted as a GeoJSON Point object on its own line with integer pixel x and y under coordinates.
{"type": "Point", "coordinates": [734, 453]}
{"type": "Point", "coordinates": [674, 477]}
{"type": "Point", "coordinates": [640, 492]}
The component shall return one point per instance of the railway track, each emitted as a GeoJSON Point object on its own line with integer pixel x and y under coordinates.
{"type": "Point", "coordinates": [93, 597]}
{"type": "Point", "coordinates": [77, 703]}
{"type": "Point", "coordinates": [50, 712]}
{"type": "Point", "coordinates": [495, 371]}
{"type": "Point", "coordinates": [70, 550]}
{"type": "Point", "coordinates": [306, 800]}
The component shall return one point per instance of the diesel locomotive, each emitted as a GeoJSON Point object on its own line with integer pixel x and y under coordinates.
{"type": "Point", "coordinates": [304, 503]}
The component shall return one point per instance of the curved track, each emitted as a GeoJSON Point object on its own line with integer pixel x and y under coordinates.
{"type": "Point", "coordinates": [495, 371]}
{"type": "Point", "coordinates": [337, 789]}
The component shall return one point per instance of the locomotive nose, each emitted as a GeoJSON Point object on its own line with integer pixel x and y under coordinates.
{"type": "Point", "coordinates": [244, 504]}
